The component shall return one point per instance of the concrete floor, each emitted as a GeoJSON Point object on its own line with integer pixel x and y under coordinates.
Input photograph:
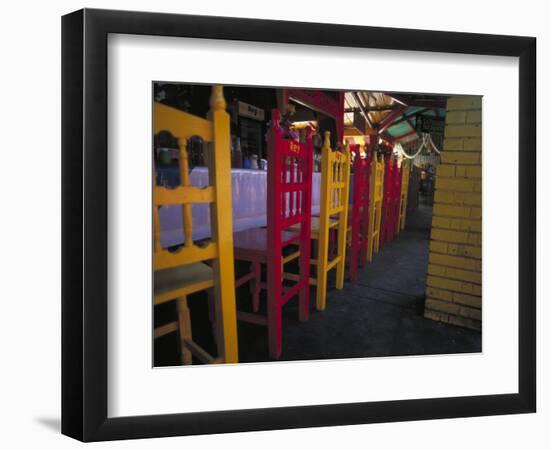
{"type": "Point", "coordinates": [379, 315]}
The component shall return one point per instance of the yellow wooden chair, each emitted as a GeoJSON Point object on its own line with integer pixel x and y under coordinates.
{"type": "Point", "coordinates": [185, 271]}
{"type": "Point", "coordinates": [405, 170]}
{"type": "Point", "coordinates": [335, 176]}
{"type": "Point", "coordinates": [375, 210]}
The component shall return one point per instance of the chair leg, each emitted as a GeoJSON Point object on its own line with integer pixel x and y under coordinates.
{"type": "Point", "coordinates": [364, 239]}
{"type": "Point", "coordinates": [322, 263]}
{"type": "Point", "coordinates": [184, 320]}
{"type": "Point", "coordinates": [255, 285]}
{"type": "Point", "coordinates": [370, 247]}
{"type": "Point", "coordinates": [333, 243]}
{"type": "Point", "coordinates": [303, 296]}
{"type": "Point", "coordinates": [274, 327]}
{"type": "Point", "coordinates": [211, 306]}
{"type": "Point", "coordinates": [303, 305]}
{"type": "Point", "coordinates": [214, 323]}
{"type": "Point", "coordinates": [341, 266]}
{"type": "Point", "coordinates": [354, 251]}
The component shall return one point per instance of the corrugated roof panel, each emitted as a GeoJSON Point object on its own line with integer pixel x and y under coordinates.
{"type": "Point", "coordinates": [399, 129]}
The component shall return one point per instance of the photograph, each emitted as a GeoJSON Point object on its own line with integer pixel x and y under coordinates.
{"type": "Point", "coordinates": [294, 224]}
{"type": "Point", "coordinates": [275, 224]}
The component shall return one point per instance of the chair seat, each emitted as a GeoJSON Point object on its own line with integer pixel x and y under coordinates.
{"type": "Point", "coordinates": [251, 244]}
{"type": "Point", "coordinates": [182, 280]}
{"type": "Point", "coordinates": [315, 226]}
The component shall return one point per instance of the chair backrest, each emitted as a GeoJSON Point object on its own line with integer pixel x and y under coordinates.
{"type": "Point", "coordinates": [183, 126]}
{"type": "Point", "coordinates": [378, 167]}
{"type": "Point", "coordinates": [405, 173]}
{"type": "Point", "coordinates": [335, 174]}
{"type": "Point", "coordinates": [333, 211]}
{"type": "Point", "coordinates": [375, 210]}
{"type": "Point", "coordinates": [361, 177]}
{"type": "Point", "coordinates": [360, 209]}
{"type": "Point", "coordinates": [288, 203]}
{"type": "Point", "coordinates": [387, 203]}
{"type": "Point", "coordinates": [398, 174]}
{"type": "Point", "coordinates": [216, 132]}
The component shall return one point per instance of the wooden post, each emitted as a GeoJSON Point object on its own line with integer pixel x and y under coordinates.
{"type": "Point", "coordinates": [327, 176]}
{"type": "Point", "coordinates": [375, 206]}
{"type": "Point", "coordinates": [381, 169]}
{"type": "Point", "coordinates": [366, 199]}
{"type": "Point", "coordinates": [360, 211]}
{"type": "Point", "coordinates": [185, 332]}
{"type": "Point", "coordinates": [274, 259]}
{"type": "Point", "coordinates": [404, 197]}
{"type": "Point", "coordinates": [305, 229]}
{"type": "Point", "coordinates": [358, 175]}
{"type": "Point", "coordinates": [222, 225]}
{"type": "Point", "coordinates": [344, 167]}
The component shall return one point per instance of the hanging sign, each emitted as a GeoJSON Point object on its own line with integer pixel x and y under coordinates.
{"type": "Point", "coordinates": [250, 111]}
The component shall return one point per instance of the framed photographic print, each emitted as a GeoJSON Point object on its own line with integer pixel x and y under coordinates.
{"type": "Point", "coordinates": [266, 224]}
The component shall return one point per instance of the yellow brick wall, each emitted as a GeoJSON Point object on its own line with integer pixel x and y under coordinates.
{"type": "Point", "coordinates": [453, 287]}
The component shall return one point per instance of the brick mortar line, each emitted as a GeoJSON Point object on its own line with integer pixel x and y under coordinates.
{"type": "Point", "coordinates": [454, 267]}
{"type": "Point", "coordinates": [453, 279]}
{"type": "Point", "coordinates": [453, 292]}
{"type": "Point", "coordinates": [444, 177]}
{"type": "Point", "coordinates": [457, 256]}
{"type": "Point", "coordinates": [456, 243]}
{"type": "Point", "coordinates": [452, 303]}
{"type": "Point", "coordinates": [466, 270]}
{"type": "Point", "coordinates": [459, 204]}
{"type": "Point", "coordinates": [441, 216]}
{"type": "Point", "coordinates": [458, 317]}
{"type": "Point", "coordinates": [454, 229]}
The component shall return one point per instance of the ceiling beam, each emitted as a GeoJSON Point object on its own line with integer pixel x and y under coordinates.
{"type": "Point", "coordinates": [415, 100]}
{"type": "Point", "coordinates": [388, 120]}
{"type": "Point", "coordinates": [373, 108]}
{"type": "Point", "coordinates": [398, 99]}
{"type": "Point", "coordinates": [362, 108]}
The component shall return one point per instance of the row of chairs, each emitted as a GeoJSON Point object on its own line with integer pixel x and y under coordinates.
{"type": "Point", "coordinates": [341, 236]}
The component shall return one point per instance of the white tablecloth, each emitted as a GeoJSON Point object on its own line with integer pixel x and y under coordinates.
{"type": "Point", "coordinates": [249, 193]}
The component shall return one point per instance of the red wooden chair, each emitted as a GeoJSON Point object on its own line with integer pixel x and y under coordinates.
{"type": "Point", "coordinates": [396, 191]}
{"type": "Point", "coordinates": [288, 203]}
{"type": "Point", "coordinates": [396, 199]}
{"type": "Point", "coordinates": [359, 211]}
{"type": "Point", "coordinates": [388, 215]}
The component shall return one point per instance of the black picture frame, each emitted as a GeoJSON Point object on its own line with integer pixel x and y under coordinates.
{"type": "Point", "coordinates": [84, 224]}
